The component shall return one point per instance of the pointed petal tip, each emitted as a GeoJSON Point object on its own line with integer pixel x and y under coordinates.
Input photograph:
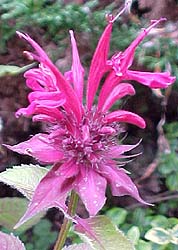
{"type": "Point", "coordinates": [71, 32]}
{"type": "Point", "coordinates": [22, 35]}
{"type": "Point", "coordinates": [144, 202]}
{"type": "Point", "coordinates": [162, 19]}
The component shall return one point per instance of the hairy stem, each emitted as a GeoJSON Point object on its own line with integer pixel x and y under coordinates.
{"type": "Point", "coordinates": [67, 222]}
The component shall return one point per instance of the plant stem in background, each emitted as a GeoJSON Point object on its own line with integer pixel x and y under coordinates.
{"type": "Point", "coordinates": [67, 222]}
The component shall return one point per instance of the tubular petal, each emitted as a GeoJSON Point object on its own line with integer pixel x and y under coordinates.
{"type": "Point", "coordinates": [111, 81]}
{"type": "Point", "coordinates": [43, 118]}
{"type": "Point", "coordinates": [125, 116]}
{"type": "Point", "coordinates": [34, 108]}
{"type": "Point", "coordinates": [72, 102]}
{"type": "Point", "coordinates": [117, 93]}
{"type": "Point", "coordinates": [128, 54]}
{"type": "Point", "coordinates": [77, 69]}
{"type": "Point", "coordinates": [38, 49]}
{"type": "Point", "coordinates": [98, 65]}
{"type": "Point", "coordinates": [47, 99]}
{"type": "Point", "coordinates": [152, 80]}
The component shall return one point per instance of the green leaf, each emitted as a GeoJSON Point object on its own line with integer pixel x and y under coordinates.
{"type": "Point", "coordinates": [173, 221]}
{"type": "Point", "coordinates": [172, 182]}
{"type": "Point", "coordinates": [174, 234]}
{"type": "Point", "coordinates": [100, 233]}
{"type": "Point", "coordinates": [10, 242]}
{"type": "Point", "coordinates": [12, 209]}
{"type": "Point", "coordinates": [82, 246]}
{"type": "Point", "coordinates": [24, 178]}
{"type": "Point", "coordinates": [143, 245]}
{"type": "Point", "coordinates": [6, 70]}
{"type": "Point", "coordinates": [158, 235]}
{"type": "Point", "coordinates": [117, 215]}
{"type": "Point", "coordinates": [160, 221]}
{"type": "Point", "coordinates": [134, 234]}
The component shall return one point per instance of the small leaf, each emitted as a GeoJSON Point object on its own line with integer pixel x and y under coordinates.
{"type": "Point", "coordinates": [82, 246]}
{"type": "Point", "coordinates": [172, 221]}
{"type": "Point", "coordinates": [134, 234]}
{"type": "Point", "coordinates": [172, 181]}
{"type": "Point", "coordinates": [158, 235]}
{"type": "Point", "coordinates": [24, 178]}
{"type": "Point", "coordinates": [100, 233]}
{"type": "Point", "coordinates": [10, 242]}
{"type": "Point", "coordinates": [174, 235]}
{"type": "Point", "coordinates": [117, 215]}
{"type": "Point", "coordinates": [6, 70]}
{"type": "Point", "coordinates": [160, 221]}
{"type": "Point", "coordinates": [12, 209]}
{"type": "Point", "coordinates": [143, 245]}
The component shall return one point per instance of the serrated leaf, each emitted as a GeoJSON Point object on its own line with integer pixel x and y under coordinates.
{"type": "Point", "coordinates": [134, 234]}
{"type": "Point", "coordinates": [12, 209]}
{"type": "Point", "coordinates": [6, 70]}
{"type": "Point", "coordinates": [100, 233]}
{"type": "Point", "coordinates": [24, 178]}
{"type": "Point", "coordinates": [158, 235]}
{"type": "Point", "coordinates": [82, 246]}
{"type": "Point", "coordinates": [10, 242]}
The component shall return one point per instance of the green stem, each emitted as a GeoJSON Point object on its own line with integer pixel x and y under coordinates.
{"type": "Point", "coordinates": [67, 222]}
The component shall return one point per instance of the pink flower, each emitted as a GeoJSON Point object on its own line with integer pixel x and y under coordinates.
{"type": "Point", "coordinates": [83, 139]}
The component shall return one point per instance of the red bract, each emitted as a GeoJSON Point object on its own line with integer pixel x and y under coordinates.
{"type": "Point", "coordinates": [83, 140]}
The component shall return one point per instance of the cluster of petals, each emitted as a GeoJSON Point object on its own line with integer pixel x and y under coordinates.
{"type": "Point", "coordinates": [82, 141]}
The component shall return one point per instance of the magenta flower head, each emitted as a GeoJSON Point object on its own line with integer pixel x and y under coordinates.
{"type": "Point", "coordinates": [82, 142]}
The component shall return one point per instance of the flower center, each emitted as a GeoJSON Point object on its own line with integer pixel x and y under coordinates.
{"type": "Point", "coordinates": [91, 140]}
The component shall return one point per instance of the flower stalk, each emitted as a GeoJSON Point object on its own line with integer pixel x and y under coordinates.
{"type": "Point", "coordinates": [67, 222]}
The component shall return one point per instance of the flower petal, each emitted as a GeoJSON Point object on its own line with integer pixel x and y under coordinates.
{"type": "Point", "coordinates": [98, 65]}
{"type": "Point", "coordinates": [117, 151]}
{"type": "Point", "coordinates": [72, 103]}
{"type": "Point", "coordinates": [34, 108]}
{"type": "Point", "coordinates": [47, 99]}
{"type": "Point", "coordinates": [41, 78]}
{"type": "Point", "coordinates": [125, 116]}
{"type": "Point", "coordinates": [68, 169]}
{"type": "Point", "coordinates": [128, 54]}
{"type": "Point", "coordinates": [91, 188]}
{"type": "Point", "coordinates": [43, 118]}
{"type": "Point", "coordinates": [39, 147]}
{"type": "Point", "coordinates": [77, 69]}
{"type": "Point", "coordinates": [50, 192]}
{"type": "Point", "coordinates": [120, 182]}
{"type": "Point", "coordinates": [111, 81]}
{"type": "Point", "coordinates": [152, 80]}
{"type": "Point", "coordinates": [117, 93]}
{"type": "Point", "coordinates": [120, 63]}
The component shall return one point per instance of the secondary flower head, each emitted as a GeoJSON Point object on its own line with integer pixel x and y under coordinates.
{"type": "Point", "coordinates": [83, 139]}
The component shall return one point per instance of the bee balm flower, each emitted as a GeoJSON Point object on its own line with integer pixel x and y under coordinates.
{"type": "Point", "coordinates": [83, 139]}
